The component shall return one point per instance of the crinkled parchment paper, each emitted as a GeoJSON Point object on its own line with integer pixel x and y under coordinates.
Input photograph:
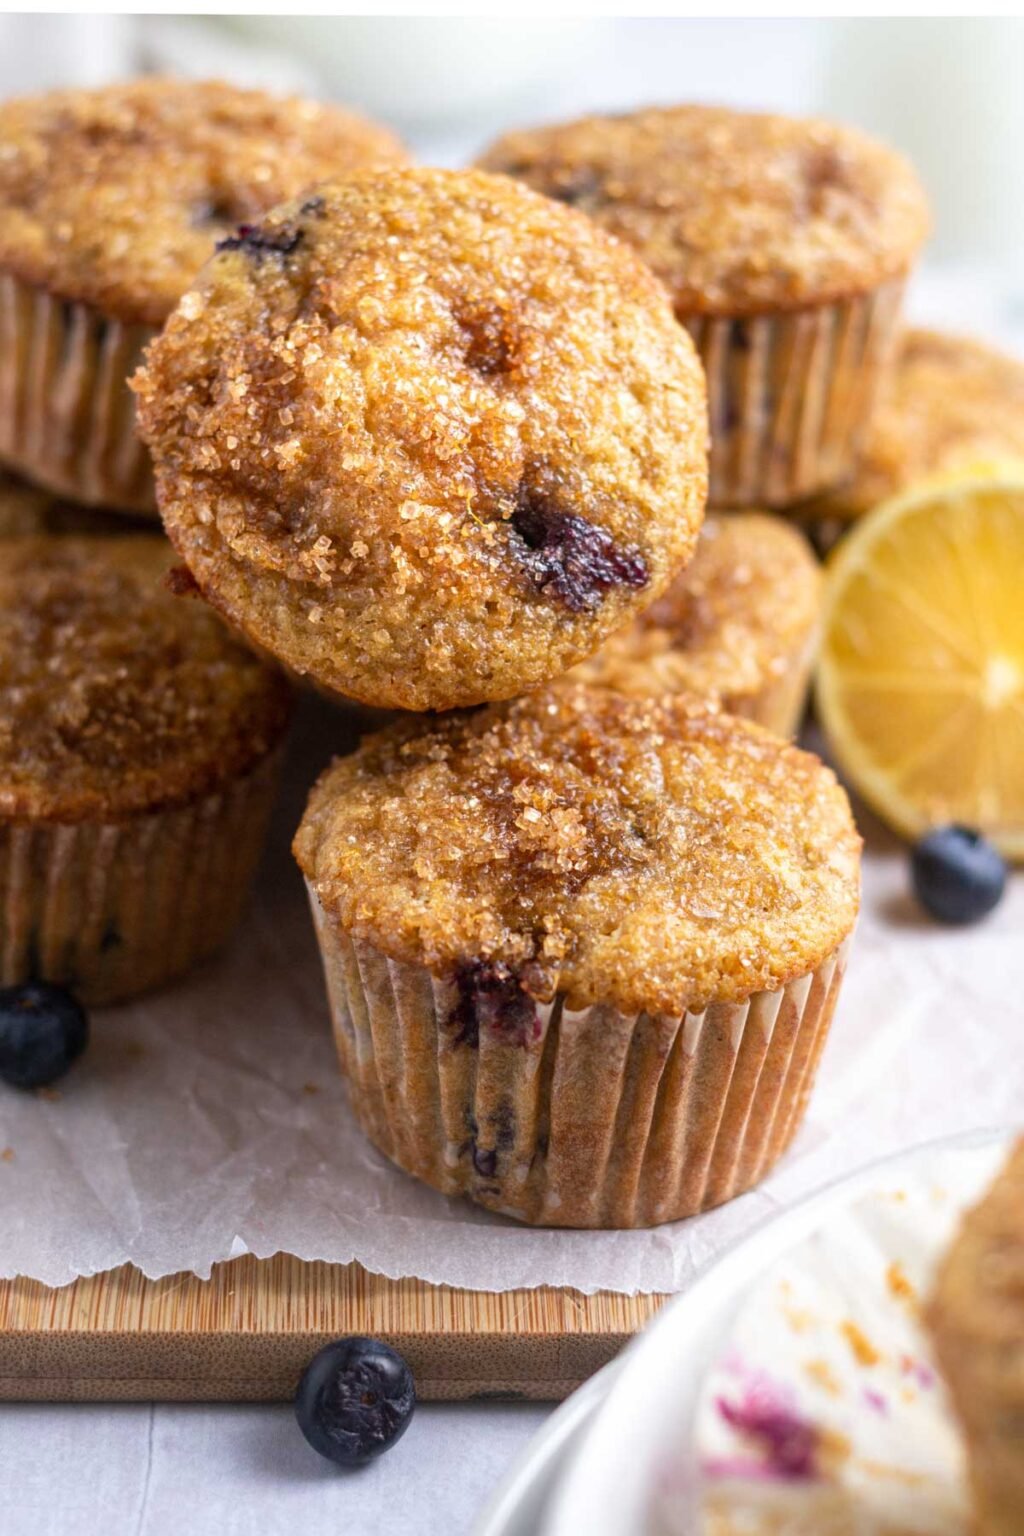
{"type": "Point", "coordinates": [211, 1120]}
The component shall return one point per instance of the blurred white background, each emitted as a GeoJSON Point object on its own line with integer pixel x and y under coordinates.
{"type": "Point", "coordinates": [947, 91]}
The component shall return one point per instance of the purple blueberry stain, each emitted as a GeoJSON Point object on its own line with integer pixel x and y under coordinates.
{"type": "Point", "coordinates": [922, 1375]}
{"type": "Point", "coordinates": [485, 1161]}
{"type": "Point", "coordinates": [733, 1364]}
{"type": "Point", "coordinates": [499, 1135]}
{"type": "Point", "coordinates": [569, 558]}
{"type": "Point", "coordinates": [258, 242]}
{"type": "Point", "coordinates": [490, 997]}
{"type": "Point", "coordinates": [877, 1402]}
{"type": "Point", "coordinates": [736, 1469]}
{"type": "Point", "coordinates": [788, 1442]}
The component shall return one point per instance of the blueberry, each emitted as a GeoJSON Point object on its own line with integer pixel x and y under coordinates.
{"type": "Point", "coordinates": [42, 1030]}
{"type": "Point", "coordinates": [355, 1400]}
{"type": "Point", "coordinates": [491, 997]}
{"type": "Point", "coordinates": [569, 557]}
{"type": "Point", "coordinates": [258, 242]}
{"type": "Point", "coordinates": [957, 875]}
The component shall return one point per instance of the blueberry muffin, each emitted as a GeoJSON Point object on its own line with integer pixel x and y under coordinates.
{"type": "Point", "coordinates": [139, 743]}
{"type": "Point", "coordinates": [784, 245]}
{"type": "Point", "coordinates": [582, 950]}
{"type": "Point", "coordinates": [976, 1317]}
{"type": "Point", "coordinates": [110, 202]}
{"type": "Point", "coordinates": [737, 625]}
{"type": "Point", "coordinates": [949, 403]}
{"type": "Point", "coordinates": [427, 437]}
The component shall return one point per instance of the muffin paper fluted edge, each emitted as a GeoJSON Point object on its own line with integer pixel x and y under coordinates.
{"type": "Point", "coordinates": [67, 416]}
{"type": "Point", "coordinates": [603, 1119]}
{"type": "Point", "coordinates": [112, 909]}
{"type": "Point", "coordinates": [791, 394]}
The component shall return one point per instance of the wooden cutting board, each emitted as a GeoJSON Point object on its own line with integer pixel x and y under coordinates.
{"type": "Point", "coordinates": [247, 1333]}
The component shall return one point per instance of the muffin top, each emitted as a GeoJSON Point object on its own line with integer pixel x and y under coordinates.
{"type": "Point", "coordinates": [951, 402]}
{"type": "Point", "coordinates": [737, 212]}
{"type": "Point", "coordinates": [728, 625]}
{"type": "Point", "coordinates": [115, 197]}
{"type": "Point", "coordinates": [427, 436]}
{"type": "Point", "coordinates": [115, 696]}
{"type": "Point", "coordinates": [651, 854]}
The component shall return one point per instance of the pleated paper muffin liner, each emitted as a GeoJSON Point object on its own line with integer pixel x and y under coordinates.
{"type": "Point", "coordinates": [111, 909]}
{"type": "Point", "coordinates": [791, 394]}
{"type": "Point", "coordinates": [67, 416]}
{"type": "Point", "coordinates": [598, 1119]}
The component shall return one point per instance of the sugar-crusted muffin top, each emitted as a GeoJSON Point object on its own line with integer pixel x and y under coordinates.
{"type": "Point", "coordinates": [655, 855]}
{"type": "Point", "coordinates": [737, 212]}
{"type": "Point", "coordinates": [728, 625]}
{"type": "Point", "coordinates": [116, 696]}
{"type": "Point", "coordinates": [115, 197]}
{"type": "Point", "coordinates": [427, 436]}
{"type": "Point", "coordinates": [950, 402]}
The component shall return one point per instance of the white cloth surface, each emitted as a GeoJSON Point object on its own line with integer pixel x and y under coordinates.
{"type": "Point", "coordinates": [197, 1470]}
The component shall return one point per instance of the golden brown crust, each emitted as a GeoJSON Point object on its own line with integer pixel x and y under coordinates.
{"type": "Point", "coordinates": [737, 212]}
{"type": "Point", "coordinates": [730, 624]}
{"type": "Point", "coordinates": [951, 402]}
{"type": "Point", "coordinates": [650, 854]}
{"type": "Point", "coordinates": [115, 696]}
{"type": "Point", "coordinates": [428, 437]}
{"type": "Point", "coordinates": [116, 197]}
{"type": "Point", "coordinates": [976, 1317]}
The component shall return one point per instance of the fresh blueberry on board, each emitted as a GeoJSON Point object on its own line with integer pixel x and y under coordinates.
{"type": "Point", "coordinates": [355, 1400]}
{"type": "Point", "coordinates": [42, 1031]}
{"type": "Point", "coordinates": [958, 876]}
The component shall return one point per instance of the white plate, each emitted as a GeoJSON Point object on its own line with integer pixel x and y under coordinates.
{"type": "Point", "coordinates": [606, 1488]}
{"type": "Point", "coordinates": [518, 1505]}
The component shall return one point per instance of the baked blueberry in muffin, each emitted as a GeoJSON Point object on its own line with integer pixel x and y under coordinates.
{"type": "Point", "coordinates": [582, 949]}
{"type": "Point", "coordinates": [427, 438]}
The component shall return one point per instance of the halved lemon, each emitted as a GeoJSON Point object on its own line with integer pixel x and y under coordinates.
{"type": "Point", "coordinates": [920, 683]}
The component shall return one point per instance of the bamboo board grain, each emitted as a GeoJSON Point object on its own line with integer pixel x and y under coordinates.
{"type": "Point", "coordinates": [247, 1333]}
